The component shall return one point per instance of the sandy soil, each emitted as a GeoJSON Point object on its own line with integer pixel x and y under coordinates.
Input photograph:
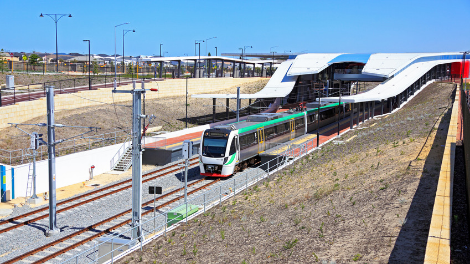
{"type": "Point", "coordinates": [368, 200]}
{"type": "Point", "coordinates": [170, 113]}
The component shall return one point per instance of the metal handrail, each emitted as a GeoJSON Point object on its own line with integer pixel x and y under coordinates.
{"type": "Point", "coordinates": [115, 159]}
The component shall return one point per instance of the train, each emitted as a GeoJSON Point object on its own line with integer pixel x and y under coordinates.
{"type": "Point", "coordinates": [227, 149]}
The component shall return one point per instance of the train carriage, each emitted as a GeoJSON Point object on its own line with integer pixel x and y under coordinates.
{"type": "Point", "coordinates": [227, 149]}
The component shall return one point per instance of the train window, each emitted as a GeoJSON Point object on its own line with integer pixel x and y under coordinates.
{"type": "Point", "coordinates": [233, 149]}
{"type": "Point", "coordinates": [247, 140]}
{"type": "Point", "coordinates": [268, 132]}
{"type": "Point", "coordinates": [299, 122]}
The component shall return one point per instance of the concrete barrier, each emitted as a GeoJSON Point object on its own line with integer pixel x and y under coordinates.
{"type": "Point", "coordinates": [438, 245]}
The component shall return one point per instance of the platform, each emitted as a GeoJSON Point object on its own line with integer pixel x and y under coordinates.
{"type": "Point", "coordinates": [168, 150]}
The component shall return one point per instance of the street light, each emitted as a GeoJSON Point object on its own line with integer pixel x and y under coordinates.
{"type": "Point", "coordinates": [206, 44]}
{"type": "Point", "coordinates": [244, 49]}
{"type": "Point", "coordinates": [124, 32]}
{"type": "Point", "coordinates": [161, 50]}
{"type": "Point", "coordinates": [56, 19]}
{"type": "Point", "coordinates": [197, 42]}
{"type": "Point", "coordinates": [216, 51]}
{"type": "Point", "coordinates": [89, 64]}
{"type": "Point", "coordinates": [271, 68]}
{"type": "Point", "coordinates": [115, 66]}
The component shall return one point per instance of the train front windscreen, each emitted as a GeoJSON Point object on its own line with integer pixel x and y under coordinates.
{"type": "Point", "coordinates": [214, 146]}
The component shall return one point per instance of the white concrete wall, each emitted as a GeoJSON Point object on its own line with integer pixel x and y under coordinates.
{"type": "Point", "coordinates": [70, 169]}
{"type": "Point", "coordinates": [152, 139]}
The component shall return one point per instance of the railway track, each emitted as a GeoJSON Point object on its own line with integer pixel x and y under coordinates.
{"type": "Point", "coordinates": [14, 224]}
{"type": "Point", "coordinates": [54, 249]}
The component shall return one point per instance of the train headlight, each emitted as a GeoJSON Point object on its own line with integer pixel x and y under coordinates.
{"type": "Point", "coordinates": [225, 160]}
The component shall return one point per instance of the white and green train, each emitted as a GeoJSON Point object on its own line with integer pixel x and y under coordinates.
{"type": "Point", "coordinates": [227, 149]}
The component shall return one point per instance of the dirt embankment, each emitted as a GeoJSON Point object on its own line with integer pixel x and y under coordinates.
{"type": "Point", "coordinates": [170, 114]}
{"type": "Point", "coordinates": [368, 200]}
{"type": "Point", "coordinates": [25, 79]}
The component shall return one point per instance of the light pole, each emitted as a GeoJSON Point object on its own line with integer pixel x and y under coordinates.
{"type": "Point", "coordinates": [89, 64]}
{"type": "Point", "coordinates": [161, 50]}
{"type": "Point", "coordinates": [244, 49]}
{"type": "Point", "coordinates": [216, 51]}
{"type": "Point", "coordinates": [124, 32]}
{"type": "Point", "coordinates": [56, 18]}
{"type": "Point", "coordinates": [206, 44]}
{"type": "Point", "coordinates": [198, 42]}
{"type": "Point", "coordinates": [115, 66]}
{"type": "Point", "coordinates": [271, 68]}
{"type": "Point", "coordinates": [195, 46]}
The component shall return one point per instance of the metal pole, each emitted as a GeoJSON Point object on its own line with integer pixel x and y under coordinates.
{"type": "Point", "coordinates": [238, 104]}
{"type": "Point", "coordinates": [186, 103]}
{"type": "Point", "coordinates": [34, 175]}
{"type": "Point", "coordinates": [318, 122]}
{"type": "Point", "coordinates": [53, 230]}
{"type": "Point", "coordinates": [56, 48]}
{"type": "Point", "coordinates": [136, 163]}
{"type": "Point", "coordinates": [339, 109]}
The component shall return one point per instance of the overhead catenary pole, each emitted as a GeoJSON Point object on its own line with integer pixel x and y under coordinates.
{"type": "Point", "coordinates": [53, 229]}
{"type": "Point", "coordinates": [136, 159]}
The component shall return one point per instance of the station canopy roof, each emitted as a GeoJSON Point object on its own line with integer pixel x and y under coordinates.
{"type": "Point", "coordinates": [193, 58]}
{"type": "Point", "coordinates": [405, 68]}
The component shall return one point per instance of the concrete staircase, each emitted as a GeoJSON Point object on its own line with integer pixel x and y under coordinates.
{"type": "Point", "coordinates": [125, 161]}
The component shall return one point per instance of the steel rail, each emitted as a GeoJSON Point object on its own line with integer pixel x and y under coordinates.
{"type": "Point", "coordinates": [17, 225]}
{"type": "Point", "coordinates": [94, 226]}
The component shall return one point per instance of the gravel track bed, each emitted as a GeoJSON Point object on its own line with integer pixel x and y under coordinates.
{"type": "Point", "coordinates": [80, 217]}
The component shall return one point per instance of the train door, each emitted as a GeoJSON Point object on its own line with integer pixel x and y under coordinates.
{"type": "Point", "coordinates": [261, 142]}
{"type": "Point", "coordinates": [292, 129]}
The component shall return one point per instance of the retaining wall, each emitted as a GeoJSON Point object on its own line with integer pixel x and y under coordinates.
{"type": "Point", "coordinates": [438, 245]}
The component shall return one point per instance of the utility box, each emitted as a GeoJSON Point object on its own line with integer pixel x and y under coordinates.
{"type": "Point", "coordinates": [10, 82]}
{"type": "Point", "coordinates": [112, 247]}
{"type": "Point", "coordinates": [187, 149]}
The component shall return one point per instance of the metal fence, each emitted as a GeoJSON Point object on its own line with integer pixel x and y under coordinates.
{"type": "Point", "coordinates": [145, 69]}
{"type": "Point", "coordinates": [465, 126]}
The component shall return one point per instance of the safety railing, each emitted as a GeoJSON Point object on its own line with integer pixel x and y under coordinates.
{"type": "Point", "coordinates": [121, 151]}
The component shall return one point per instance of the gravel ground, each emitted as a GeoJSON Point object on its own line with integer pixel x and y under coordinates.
{"type": "Point", "coordinates": [79, 217]}
{"type": "Point", "coordinates": [368, 200]}
{"type": "Point", "coordinates": [25, 79]}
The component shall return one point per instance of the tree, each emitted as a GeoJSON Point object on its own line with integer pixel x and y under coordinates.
{"type": "Point", "coordinates": [209, 54]}
{"type": "Point", "coordinates": [95, 67]}
{"type": "Point", "coordinates": [34, 59]}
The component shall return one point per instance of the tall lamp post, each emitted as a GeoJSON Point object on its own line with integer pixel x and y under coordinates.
{"type": "Point", "coordinates": [216, 51]}
{"type": "Point", "coordinates": [197, 42]}
{"type": "Point", "coordinates": [244, 50]}
{"type": "Point", "coordinates": [89, 64]}
{"type": "Point", "coordinates": [115, 66]}
{"type": "Point", "coordinates": [271, 69]}
{"type": "Point", "coordinates": [124, 32]}
{"type": "Point", "coordinates": [206, 44]}
{"type": "Point", "coordinates": [56, 18]}
{"type": "Point", "coordinates": [161, 50]}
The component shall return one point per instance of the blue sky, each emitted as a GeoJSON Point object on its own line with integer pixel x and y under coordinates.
{"type": "Point", "coordinates": [354, 26]}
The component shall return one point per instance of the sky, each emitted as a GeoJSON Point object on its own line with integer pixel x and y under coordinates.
{"type": "Point", "coordinates": [296, 26]}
